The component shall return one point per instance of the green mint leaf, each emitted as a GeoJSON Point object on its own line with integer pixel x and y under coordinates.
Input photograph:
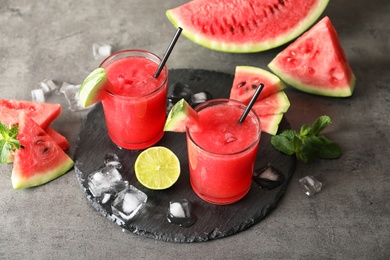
{"type": "Point", "coordinates": [283, 144]}
{"type": "Point", "coordinates": [307, 145]}
{"type": "Point", "coordinates": [329, 149]}
{"type": "Point", "coordinates": [8, 141]}
{"type": "Point", "coordinates": [320, 124]}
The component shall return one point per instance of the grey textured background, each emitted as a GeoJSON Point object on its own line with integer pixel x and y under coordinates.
{"type": "Point", "coordinates": [349, 219]}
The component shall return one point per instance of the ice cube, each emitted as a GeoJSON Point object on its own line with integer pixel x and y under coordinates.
{"type": "Point", "coordinates": [128, 203]}
{"type": "Point", "coordinates": [71, 93]}
{"type": "Point", "coordinates": [112, 160]}
{"type": "Point", "coordinates": [229, 137]}
{"type": "Point", "coordinates": [48, 85]}
{"type": "Point", "coordinates": [310, 185]}
{"type": "Point", "coordinates": [180, 213]}
{"type": "Point", "coordinates": [200, 97]}
{"type": "Point", "coordinates": [268, 178]}
{"type": "Point", "coordinates": [37, 95]}
{"type": "Point", "coordinates": [101, 51]}
{"type": "Point", "coordinates": [104, 180]}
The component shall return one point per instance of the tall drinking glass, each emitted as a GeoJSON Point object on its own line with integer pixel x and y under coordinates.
{"type": "Point", "coordinates": [222, 152]}
{"type": "Point", "coordinates": [135, 102]}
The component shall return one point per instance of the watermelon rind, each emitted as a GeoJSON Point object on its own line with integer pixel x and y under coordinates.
{"type": "Point", "coordinates": [180, 115]}
{"type": "Point", "coordinates": [92, 89]}
{"type": "Point", "coordinates": [315, 63]}
{"type": "Point", "coordinates": [244, 26]}
{"type": "Point", "coordinates": [253, 76]}
{"type": "Point", "coordinates": [40, 159]}
{"type": "Point", "coordinates": [270, 123]}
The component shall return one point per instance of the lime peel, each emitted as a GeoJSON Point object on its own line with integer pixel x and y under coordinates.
{"type": "Point", "coordinates": [92, 89]}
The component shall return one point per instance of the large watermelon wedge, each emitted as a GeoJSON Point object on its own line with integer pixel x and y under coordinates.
{"type": "Point", "coordinates": [42, 113]}
{"type": "Point", "coordinates": [316, 63]}
{"type": "Point", "coordinates": [40, 159]}
{"type": "Point", "coordinates": [245, 26]}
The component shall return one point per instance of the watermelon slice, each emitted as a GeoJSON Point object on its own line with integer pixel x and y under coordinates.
{"type": "Point", "coordinates": [247, 79]}
{"type": "Point", "coordinates": [180, 116]}
{"type": "Point", "coordinates": [278, 103]}
{"type": "Point", "coordinates": [42, 113]}
{"type": "Point", "coordinates": [316, 63]}
{"type": "Point", "coordinates": [245, 26]}
{"type": "Point", "coordinates": [40, 159]}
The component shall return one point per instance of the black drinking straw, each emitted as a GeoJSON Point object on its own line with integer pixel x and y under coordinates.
{"type": "Point", "coordinates": [168, 52]}
{"type": "Point", "coordinates": [253, 100]}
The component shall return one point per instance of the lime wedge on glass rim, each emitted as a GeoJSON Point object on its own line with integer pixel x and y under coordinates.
{"type": "Point", "coordinates": [92, 89]}
{"type": "Point", "coordinates": [157, 168]}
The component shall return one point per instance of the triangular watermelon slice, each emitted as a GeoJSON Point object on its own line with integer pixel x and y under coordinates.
{"type": "Point", "coordinates": [40, 159]}
{"type": "Point", "coordinates": [42, 113]}
{"type": "Point", "coordinates": [247, 79]}
{"type": "Point", "coordinates": [316, 63]}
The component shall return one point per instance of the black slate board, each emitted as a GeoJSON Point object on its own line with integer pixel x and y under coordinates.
{"type": "Point", "coordinates": [213, 221]}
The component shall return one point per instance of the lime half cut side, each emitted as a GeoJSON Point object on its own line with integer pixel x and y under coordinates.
{"type": "Point", "coordinates": [92, 89]}
{"type": "Point", "coordinates": [157, 168]}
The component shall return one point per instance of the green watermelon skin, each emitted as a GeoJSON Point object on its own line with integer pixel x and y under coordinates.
{"type": "Point", "coordinates": [42, 113]}
{"type": "Point", "coordinates": [316, 63]}
{"type": "Point", "coordinates": [40, 159]}
{"type": "Point", "coordinates": [245, 26]}
{"type": "Point", "coordinates": [277, 103]}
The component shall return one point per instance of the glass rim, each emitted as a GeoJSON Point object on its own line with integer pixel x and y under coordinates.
{"type": "Point", "coordinates": [222, 101]}
{"type": "Point", "coordinates": [142, 53]}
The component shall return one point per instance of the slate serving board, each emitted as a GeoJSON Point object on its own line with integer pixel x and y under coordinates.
{"type": "Point", "coordinates": [213, 221]}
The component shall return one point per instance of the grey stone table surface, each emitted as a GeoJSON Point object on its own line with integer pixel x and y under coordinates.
{"type": "Point", "coordinates": [348, 219]}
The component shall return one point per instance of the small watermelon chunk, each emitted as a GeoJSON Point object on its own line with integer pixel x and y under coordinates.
{"type": "Point", "coordinates": [245, 26]}
{"type": "Point", "coordinates": [316, 63]}
{"type": "Point", "coordinates": [277, 103]}
{"type": "Point", "coordinates": [180, 116]}
{"type": "Point", "coordinates": [40, 159]}
{"type": "Point", "coordinates": [247, 79]}
{"type": "Point", "coordinates": [42, 113]}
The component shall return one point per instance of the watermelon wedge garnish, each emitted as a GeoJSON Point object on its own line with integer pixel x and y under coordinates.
{"type": "Point", "coordinates": [42, 113]}
{"type": "Point", "coordinates": [245, 26]}
{"type": "Point", "coordinates": [40, 159]}
{"type": "Point", "coordinates": [316, 63]}
{"type": "Point", "coordinates": [272, 102]}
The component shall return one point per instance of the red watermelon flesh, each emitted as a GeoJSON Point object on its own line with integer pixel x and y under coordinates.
{"type": "Point", "coordinates": [42, 113]}
{"type": "Point", "coordinates": [277, 103]}
{"type": "Point", "coordinates": [316, 63]}
{"type": "Point", "coordinates": [245, 26]}
{"type": "Point", "coordinates": [58, 138]}
{"type": "Point", "coordinates": [40, 159]}
{"type": "Point", "coordinates": [247, 79]}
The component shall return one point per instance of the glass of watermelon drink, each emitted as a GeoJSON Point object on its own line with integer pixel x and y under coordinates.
{"type": "Point", "coordinates": [222, 151]}
{"type": "Point", "coordinates": [135, 102]}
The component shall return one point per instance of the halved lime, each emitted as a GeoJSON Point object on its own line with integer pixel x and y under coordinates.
{"type": "Point", "coordinates": [157, 168]}
{"type": "Point", "coordinates": [180, 115]}
{"type": "Point", "coordinates": [91, 90]}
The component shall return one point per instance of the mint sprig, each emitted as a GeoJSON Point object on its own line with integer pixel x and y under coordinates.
{"type": "Point", "coordinates": [8, 141]}
{"type": "Point", "coordinates": [308, 144]}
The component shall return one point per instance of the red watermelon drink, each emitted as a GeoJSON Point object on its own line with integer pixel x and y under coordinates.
{"type": "Point", "coordinates": [222, 152]}
{"type": "Point", "coordinates": [135, 102]}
